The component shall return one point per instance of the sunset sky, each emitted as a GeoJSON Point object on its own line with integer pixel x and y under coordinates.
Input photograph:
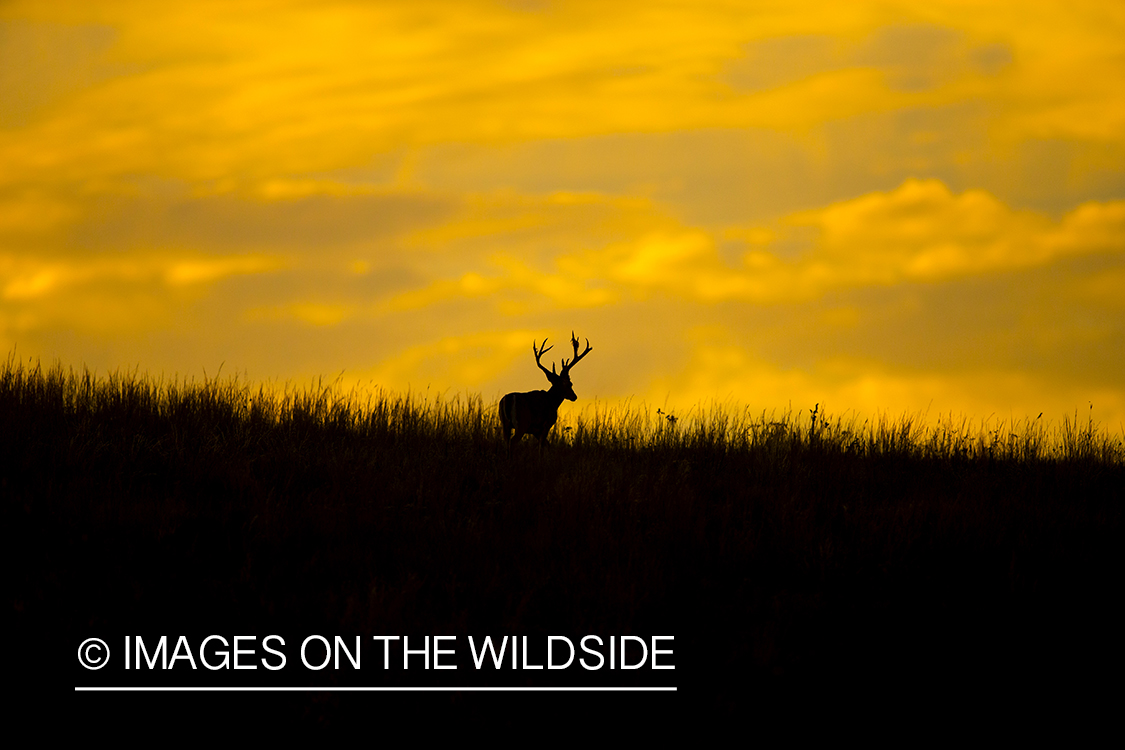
{"type": "Point", "coordinates": [874, 206]}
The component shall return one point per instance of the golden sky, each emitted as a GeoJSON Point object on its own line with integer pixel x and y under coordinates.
{"type": "Point", "coordinates": [874, 206]}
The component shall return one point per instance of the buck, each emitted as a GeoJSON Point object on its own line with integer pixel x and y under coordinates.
{"type": "Point", "coordinates": [535, 412]}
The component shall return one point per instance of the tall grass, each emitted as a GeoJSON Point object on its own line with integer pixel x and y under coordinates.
{"type": "Point", "coordinates": [238, 412]}
{"type": "Point", "coordinates": [728, 427]}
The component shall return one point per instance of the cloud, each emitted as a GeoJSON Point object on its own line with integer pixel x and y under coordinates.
{"type": "Point", "coordinates": [517, 280]}
{"type": "Point", "coordinates": [923, 232]}
{"type": "Point", "coordinates": [499, 242]}
{"type": "Point", "coordinates": [910, 57]}
{"type": "Point", "coordinates": [23, 278]}
{"type": "Point", "coordinates": [41, 63]}
{"type": "Point", "coordinates": [920, 232]}
{"type": "Point", "coordinates": [290, 215]}
{"type": "Point", "coordinates": [318, 314]}
{"type": "Point", "coordinates": [185, 272]}
{"type": "Point", "coordinates": [109, 296]}
{"type": "Point", "coordinates": [1105, 288]}
{"type": "Point", "coordinates": [220, 101]}
{"type": "Point", "coordinates": [453, 361]}
{"type": "Point", "coordinates": [29, 214]}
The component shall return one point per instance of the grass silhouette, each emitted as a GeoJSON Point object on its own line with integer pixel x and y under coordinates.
{"type": "Point", "coordinates": [781, 551]}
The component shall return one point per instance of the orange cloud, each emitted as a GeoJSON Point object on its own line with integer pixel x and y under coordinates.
{"type": "Point", "coordinates": [923, 232]}
{"type": "Point", "coordinates": [919, 232]}
{"type": "Point", "coordinates": [458, 361]}
{"type": "Point", "coordinates": [238, 95]}
{"type": "Point", "coordinates": [23, 278]}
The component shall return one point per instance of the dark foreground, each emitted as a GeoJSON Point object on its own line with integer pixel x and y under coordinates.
{"type": "Point", "coordinates": [797, 565]}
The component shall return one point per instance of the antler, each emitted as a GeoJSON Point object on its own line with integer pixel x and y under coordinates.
{"type": "Point", "coordinates": [539, 353]}
{"type": "Point", "coordinates": [574, 342]}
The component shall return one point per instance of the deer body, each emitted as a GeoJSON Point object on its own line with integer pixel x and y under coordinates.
{"type": "Point", "coordinates": [535, 412]}
{"type": "Point", "coordinates": [532, 413]}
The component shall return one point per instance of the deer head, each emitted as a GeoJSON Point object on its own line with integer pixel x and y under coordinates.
{"type": "Point", "coordinates": [560, 381]}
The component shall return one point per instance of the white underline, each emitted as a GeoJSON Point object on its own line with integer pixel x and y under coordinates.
{"type": "Point", "coordinates": [403, 689]}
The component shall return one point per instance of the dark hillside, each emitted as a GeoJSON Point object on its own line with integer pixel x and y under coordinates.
{"type": "Point", "coordinates": [786, 556]}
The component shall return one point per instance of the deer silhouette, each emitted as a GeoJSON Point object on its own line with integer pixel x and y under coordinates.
{"type": "Point", "coordinates": [535, 412]}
